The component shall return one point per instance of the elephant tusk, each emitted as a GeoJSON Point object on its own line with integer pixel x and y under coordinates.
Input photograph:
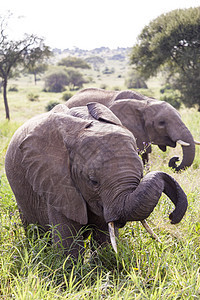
{"type": "Point", "coordinates": [111, 228]}
{"type": "Point", "coordinates": [150, 231]}
{"type": "Point", "coordinates": [197, 143]}
{"type": "Point", "coordinates": [182, 143]}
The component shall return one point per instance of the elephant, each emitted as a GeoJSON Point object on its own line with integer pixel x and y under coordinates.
{"type": "Point", "coordinates": [72, 169]}
{"type": "Point", "coordinates": [151, 121]}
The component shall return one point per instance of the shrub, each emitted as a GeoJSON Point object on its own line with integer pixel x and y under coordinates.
{"type": "Point", "coordinates": [165, 88]}
{"type": "Point", "coordinates": [135, 81]}
{"type": "Point", "coordinates": [74, 62]}
{"type": "Point", "coordinates": [51, 105]}
{"type": "Point", "coordinates": [66, 96]}
{"type": "Point", "coordinates": [116, 88]}
{"type": "Point", "coordinates": [108, 70]}
{"type": "Point", "coordinates": [56, 81]}
{"type": "Point", "coordinates": [172, 98]}
{"type": "Point", "coordinates": [33, 97]}
{"type": "Point", "coordinates": [13, 88]}
{"type": "Point", "coordinates": [103, 86]}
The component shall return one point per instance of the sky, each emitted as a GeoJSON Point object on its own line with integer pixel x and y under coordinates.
{"type": "Point", "coordinates": [86, 24]}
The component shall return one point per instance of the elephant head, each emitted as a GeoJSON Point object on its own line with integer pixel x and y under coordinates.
{"type": "Point", "coordinates": [159, 123]}
{"type": "Point", "coordinates": [150, 121]}
{"type": "Point", "coordinates": [64, 168]}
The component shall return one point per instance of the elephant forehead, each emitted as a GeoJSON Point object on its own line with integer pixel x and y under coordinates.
{"type": "Point", "coordinates": [163, 109]}
{"type": "Point", "coordinates": [104, 130]}
{"type": "Point", "coordinates": [102, 149]}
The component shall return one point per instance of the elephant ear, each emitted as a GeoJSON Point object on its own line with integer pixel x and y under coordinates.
{"type": "Point", "coordinates": [102, 113]}
{"type": "Point", "coordinates": [129, 95]}
{"type": "Point", "coordinates": [45, 158]}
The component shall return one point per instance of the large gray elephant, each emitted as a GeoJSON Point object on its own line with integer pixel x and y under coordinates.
{"type": "Point", "coordinates": [150, 120]}
{"type": "Point", "coordinates": [79, 167]}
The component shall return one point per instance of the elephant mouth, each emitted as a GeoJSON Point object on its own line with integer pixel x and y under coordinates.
{"type": "Point", "coordinates": [169, 142]}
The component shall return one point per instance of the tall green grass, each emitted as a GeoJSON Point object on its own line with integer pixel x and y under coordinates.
{"type": "Point", "coordinates": [143, 268]}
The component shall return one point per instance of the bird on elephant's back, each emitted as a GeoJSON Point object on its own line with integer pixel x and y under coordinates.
{"type": "Point", "coordinates": [79, 168]}
{"type": "Point", "coordinates": [151, 121]}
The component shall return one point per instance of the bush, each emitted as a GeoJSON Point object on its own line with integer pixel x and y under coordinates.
{"type": "Point", "coordinates": [116, 88]}
{"type": "Point", "coordinates": [108, 71]}
{"type": "Point", "coordinates": [172, 98]}
{"type": "Point", "coordinates": [13, 88]}
{"type": "Point", "coordinates": [165, 88]}
{"type": "Point", "coordinates": [33, 97]}
{"type": "Point", "coordinates": [135, 81]}
{"type": "Point", "coordinates": [74, 62]}
{"type": "Point", "coordinates": [76, 79]}
{"type": "Point", "coordinates": [51, 105]}
{"type": "Point", "coordinates": [66, 96]}
{"type": "Point", "coordinates": [103, 86]}
{"type": "Point", "coordinates": [56, 81]}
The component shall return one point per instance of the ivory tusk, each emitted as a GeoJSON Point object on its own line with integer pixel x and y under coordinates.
{"type": "Point", "coordinates": [111, 228]}
{"type": "Point", "coordinates": [182, 143]}
{"type": "Point", "coordinates": [197, 143]}
{"type": "Point", "coordinates": [150, 231]}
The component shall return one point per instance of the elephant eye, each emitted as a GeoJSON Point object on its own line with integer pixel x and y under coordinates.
{"type": "Point", "coordinates": [93, 181]}
{"type": "Point", "coordinates": [161, 123]}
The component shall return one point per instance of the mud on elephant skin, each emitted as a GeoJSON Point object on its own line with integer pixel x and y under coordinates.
{"type": "Point", "coordinates": [150, 121]}
{"type": "Point", "coordinates": [77, 168]}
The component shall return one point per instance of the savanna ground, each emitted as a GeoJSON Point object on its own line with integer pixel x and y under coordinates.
{"type": "Point", "coordinates": [143, 268]}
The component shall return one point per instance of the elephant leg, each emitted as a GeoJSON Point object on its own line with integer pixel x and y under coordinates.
{"type": "Point", "coordinates": [34, 232]}
{"type": "Point", "coordinates": [66, 233]}
{"type": "Point", "coordinates": [145, 158]}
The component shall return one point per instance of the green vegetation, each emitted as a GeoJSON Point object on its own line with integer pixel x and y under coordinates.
{"type": "Point", "coordinates": [56, 81]}
{"type": "Point", "coordinates": [51, 105]}
{"type": "Point", "coordinates": [66, 96]}
{"type": "Point", "coordinates": [171, 42]}
{"type": "Point", "coordinates": [26, 52]}
{"type": "Point", "coordinates": [143, 268]}
{"type": "Point", "coordinates": [60, 78]}
{"type": "Point", "coordinates": [74, 62]}
{"type": "Point", "coordinates": [135, 81]}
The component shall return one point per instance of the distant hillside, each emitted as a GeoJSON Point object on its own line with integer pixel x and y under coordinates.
{"type": "Point", "coordinates": [120, 54]}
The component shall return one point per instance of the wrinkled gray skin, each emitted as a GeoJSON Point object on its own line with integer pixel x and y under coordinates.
{"type": "Point", "coordinates": [77, 168]}
{"type": "Point", "coordinates": [150, 121]}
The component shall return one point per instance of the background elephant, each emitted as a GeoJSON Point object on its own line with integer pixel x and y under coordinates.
{"type": "Point", "coordinates": [150, 120]}
{"type": "Point", "coordinates": [77, 168]}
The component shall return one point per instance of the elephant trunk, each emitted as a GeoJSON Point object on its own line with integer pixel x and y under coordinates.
{"type": "Point", "coordinates": [188, 152]}
{"type": "Point", "coordinates": [140, 203]}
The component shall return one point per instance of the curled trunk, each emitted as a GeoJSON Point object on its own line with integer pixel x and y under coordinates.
{"type": "Point", "coordinates": [188, 153]}
{"type": "Point", "coordinates": [140, 203]}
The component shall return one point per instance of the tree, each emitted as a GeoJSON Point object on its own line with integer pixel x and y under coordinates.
{"type": "Point", "coordinates": [12, 54]}
{"type": "Point", "coordinates": [74, 62]}
{"type": "Point", "coordinates": [60, 77]}
{"type": "Point", "coordinates": [96, 61]}
{"type": "Point", "coordinates": [37, 60]}
{"type": "Point", "coordinates": [135, 81]}
{"type": "Point", "coordinates": [172, 40]}
{"type": "Point", "coordinates": [76, 79]}
{"type": "Point", "coordinates": [56, 81]}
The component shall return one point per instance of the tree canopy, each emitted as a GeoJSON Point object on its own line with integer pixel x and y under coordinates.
{"type": "Point", "coordinates": [14, 53]}
{"type": "Point", "coordinates": [60, 77]}
{"type": "Point", "coordinates": [172, 41]}
{"type": "Point", "coordinates": [74, 62]}
{"type": "Point", "coordinates": [36, 62]}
